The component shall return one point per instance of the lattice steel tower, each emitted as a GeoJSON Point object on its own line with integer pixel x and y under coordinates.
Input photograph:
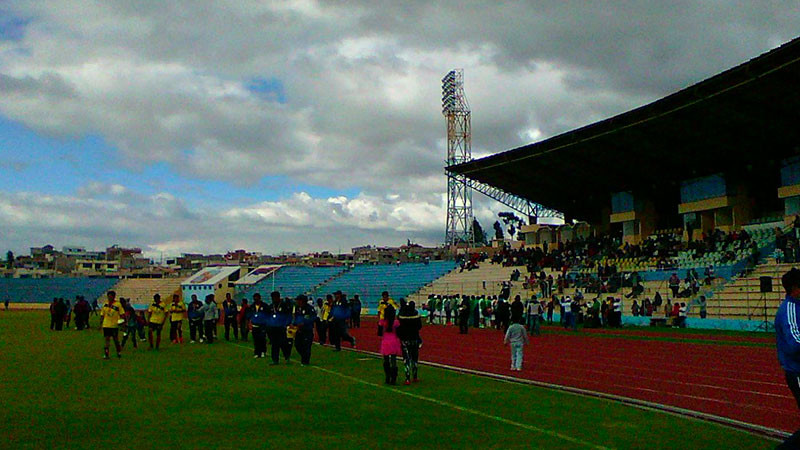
{"type": "Point", "coordinates": [459, 149]}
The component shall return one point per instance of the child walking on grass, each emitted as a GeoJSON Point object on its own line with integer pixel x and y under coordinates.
{"type": "Point", "coordinates": [517, 337]}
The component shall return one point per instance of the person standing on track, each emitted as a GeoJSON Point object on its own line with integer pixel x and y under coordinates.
{"type": "Point", "coordinates": [112, 313]}
{"type": "Point", "coordinates": [566, 311]}
{"type": "Point", "coordinates": [787, 335]}
{"type": "Point", "coordinates": [463, 315]}
{"type": "Point", "coordinates": [517, 338]}
{"type": "Point", "coordinates": [408, 332]}
{"type": "Point", "coordinates": [355, 311]}
{"type": "Point", "coordinates": [338, 325]}
{"type": "Point", "coordinates": [176, 311]}
{"type": "Point", "coordinates": [384, 303]}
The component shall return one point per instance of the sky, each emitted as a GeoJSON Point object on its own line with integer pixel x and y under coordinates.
{"type": "Point", "coordinates": [302, 125]}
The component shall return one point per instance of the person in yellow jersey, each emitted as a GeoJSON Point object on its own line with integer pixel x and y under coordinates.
{"type": "Point", "coordinates": [385, 301]}
{"type": "Point", "coordinates": [176, 311]}
{"type": "Point", "coordinates": [112, 314]}
{"type": "Point", "coordinates": [157, 315]}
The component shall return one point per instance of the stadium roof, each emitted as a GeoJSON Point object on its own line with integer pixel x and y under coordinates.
{"type": "Point", "coordinates": [743, 121]}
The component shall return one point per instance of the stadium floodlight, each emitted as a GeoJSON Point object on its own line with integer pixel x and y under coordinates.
{"type": "Point", "coordinates": [459, 149]}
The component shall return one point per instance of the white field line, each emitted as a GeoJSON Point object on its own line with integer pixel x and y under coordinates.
{"type": "Point", "coordinates": [474, 412]}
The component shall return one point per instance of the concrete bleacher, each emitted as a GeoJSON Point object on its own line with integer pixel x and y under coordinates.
{"type": "Point", "coordinates": [141, 290]}
{"type": "Point", "coordinates": [741, 298]}
{"type": "Point", "coordinates": [487, 279]}
{"type": "Point", "coordinates": [368, 281]}
{"type": "Point", "coordinates": [42, 290]}
{"type": "Point", "coordinates": [292, 281]}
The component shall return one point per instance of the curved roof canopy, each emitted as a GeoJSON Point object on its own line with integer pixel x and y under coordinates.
{"type": "Point", "coordinates": [743, 121]}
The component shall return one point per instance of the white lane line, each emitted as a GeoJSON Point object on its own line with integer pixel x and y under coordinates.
{"type": "Point", "coordinates": [525, 426]}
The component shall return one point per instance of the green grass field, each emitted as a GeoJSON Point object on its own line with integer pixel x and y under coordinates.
{"type": "Point", "coordinates": [56, 391]}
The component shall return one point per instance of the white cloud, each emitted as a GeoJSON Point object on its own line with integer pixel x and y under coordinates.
{"type": "Point", "coordinates": [167, 82]}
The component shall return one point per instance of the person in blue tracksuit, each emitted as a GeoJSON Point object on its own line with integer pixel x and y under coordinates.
{"type": "Point", "coordinates": [258, 320]}
{"type": "Point", "coordinates": [279, 316]}
{"type": "Point", "coordinates": [304, 318]}
{"type": "Point", "coordinates": [787, 335]}
{"type": "Point", "coordinates": [338, 317]}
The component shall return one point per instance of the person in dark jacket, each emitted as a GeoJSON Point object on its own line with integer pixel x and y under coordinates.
{"type": "Point", "coordinates": [463, 315]}
{"type": "Point", "coordinates": [355, 311]}
{"type": "Point", "coordinates": [60, 310]}
{"type": "Point", "coordinates": [338, 317]}
{"type": "Point", "coordinates": [517, 310]}
{"type": "Point", "coordinates": [81, 313]}
{"type": "Point", "coordinates": [231, 310]}
{"type": "Point", "coordinates": [53, 313]}
{"type": "Point", "coordinates": [408, 332]}
{"type": "Point", "coordinates": [279, 316]}
{"type": "Point", "coordinates": [503, 314]}
{"type": "Point", "coordinates": [195, 320]}
{"type": "Point", "coordinates": [304, 319]}
{"type": "Point", "coordinates": [258, 319]}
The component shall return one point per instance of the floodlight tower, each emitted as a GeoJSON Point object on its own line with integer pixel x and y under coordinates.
{"type": "Point", "coordinates": [459, 149]}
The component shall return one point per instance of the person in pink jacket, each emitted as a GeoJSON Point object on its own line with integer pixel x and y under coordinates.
{"type": "Point", "coordinates": [390, 344]}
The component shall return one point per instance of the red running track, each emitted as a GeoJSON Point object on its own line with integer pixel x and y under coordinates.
{"type": "Point", "coordinates": [743, 383]}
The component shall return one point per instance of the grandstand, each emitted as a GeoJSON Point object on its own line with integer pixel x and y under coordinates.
{"type": "Point", "coordinates": [291, 281]}
{"type": "Point", "coordinates": [42, 290]}
{"type": "Point", "coordinates": [702, 164]}
{"type": "Point", "coordinates": [401, 280]}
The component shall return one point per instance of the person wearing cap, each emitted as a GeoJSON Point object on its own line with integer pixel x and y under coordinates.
{"type": "Point", "coordinates": [231, 310]}
{"type": "Point", "coordinates": [304, 318]}
{"type": "Point", "coordinates": [787, 336]}
{"type": "Point", "coordinates": [157, 315]}
{"type": "Point", "coordinates": [176, 311]}
{"type": "Point", "coordinates": [112, 314]}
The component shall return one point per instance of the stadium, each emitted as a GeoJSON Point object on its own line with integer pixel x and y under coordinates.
{"type": "Point", "coordinates": [693, 199]}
